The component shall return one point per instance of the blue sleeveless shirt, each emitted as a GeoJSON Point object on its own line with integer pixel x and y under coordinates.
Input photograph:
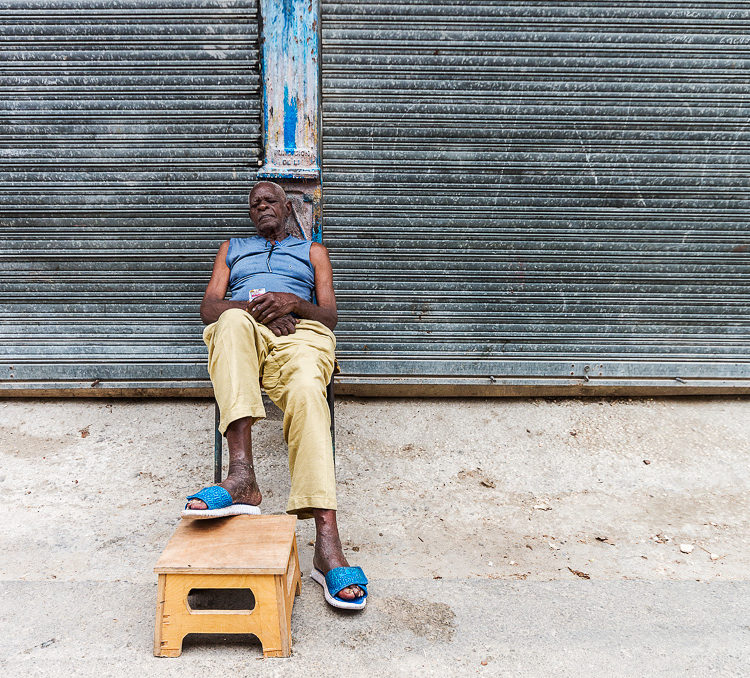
{"type": "Point", "coordinates": [255, 263]}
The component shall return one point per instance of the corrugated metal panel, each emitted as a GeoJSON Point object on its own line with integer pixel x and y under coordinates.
{"type": "Point", "coordinates": [539, 190]}
{"type": "Point", "coordinates": [129, 134]}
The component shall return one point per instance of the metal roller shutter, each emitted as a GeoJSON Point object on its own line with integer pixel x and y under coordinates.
{"type": "Point", "coordinates": [129, 133]}
{"type": "Point", "coordinates": [539, 193]}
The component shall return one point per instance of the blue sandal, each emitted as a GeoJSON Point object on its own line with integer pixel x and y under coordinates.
{"type": "Point", "coordinates": [339, 578]}
{"type": "Point", "coordinates": [219, 503]}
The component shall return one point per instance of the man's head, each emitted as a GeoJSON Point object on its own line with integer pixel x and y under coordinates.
{"type": "Point", "coordinates": [269, 209]}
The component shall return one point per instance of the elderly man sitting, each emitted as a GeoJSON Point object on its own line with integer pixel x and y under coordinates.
{"type": "Point", "coordinates": [277, 327]}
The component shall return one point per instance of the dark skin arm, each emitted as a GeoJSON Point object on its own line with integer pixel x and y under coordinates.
{"type": "Point", "coordinates": [275, 311]}
{"type": "Point", "coordinates": [213, 304]}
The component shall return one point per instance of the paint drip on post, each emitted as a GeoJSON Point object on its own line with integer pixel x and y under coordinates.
{"type": "Point", "coordinates": [290, 123]}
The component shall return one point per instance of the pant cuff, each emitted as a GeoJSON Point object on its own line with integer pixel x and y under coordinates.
{"type": "Point", "coordinates": [238, 412]}
{"type": "Point", "coordinates": [302, 506]}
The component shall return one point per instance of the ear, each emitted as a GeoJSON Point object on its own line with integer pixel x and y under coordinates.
{"type": "Point", "coordinates": [288, 206]}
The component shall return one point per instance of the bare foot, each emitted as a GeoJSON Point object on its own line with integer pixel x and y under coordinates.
{"type": "Point", "coordinates": [328, 551]}
{"type": "Point", "coordinates": [240, 484]}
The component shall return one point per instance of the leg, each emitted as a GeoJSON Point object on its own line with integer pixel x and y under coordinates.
{"type": "Point", "coordinates": [240, 482]}
{"type": "Point", "coordinates": [170, 631]}
{"type": "Point", "coordinates": [159, 626]}
{"type": "Point", "coordinates": [295, 379]}
{"type": "Point", "coordinates": [328, 550]}
{"type": "Point", "coordinates": [301, 392]}
{"type": "Point", "coordinates": [237, 345]}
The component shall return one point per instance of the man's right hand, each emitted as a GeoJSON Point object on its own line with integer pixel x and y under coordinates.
{"type": "Point", "coordinates": [283, 325]}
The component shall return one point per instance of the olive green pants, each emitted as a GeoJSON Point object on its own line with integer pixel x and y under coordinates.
{"type": "Point", "coordinates": [294, 370]}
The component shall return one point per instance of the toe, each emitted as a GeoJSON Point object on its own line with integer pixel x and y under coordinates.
{"type": "Point", "coordinates": [347, 593]}
{"type": "Point", "coordinates": [350, 593]}
{"type": "Point", "coordinates": [197, 505]}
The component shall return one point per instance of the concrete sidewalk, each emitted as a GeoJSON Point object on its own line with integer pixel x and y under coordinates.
{"type": "Point", "coordinates": [476, 521]}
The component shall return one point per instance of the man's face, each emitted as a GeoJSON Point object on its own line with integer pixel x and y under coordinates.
{"type": "Point", "coordinates": [269, 209]}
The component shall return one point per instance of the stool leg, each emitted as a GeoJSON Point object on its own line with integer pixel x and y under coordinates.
{"type": "Point", "coordinates": [168, 632]}
{"type": "Point", "coordinates": [158, 626]}
{"type": "Point", "coordinates": [280, 636]}
{"type": "Point", "coordinates": [218, 445]}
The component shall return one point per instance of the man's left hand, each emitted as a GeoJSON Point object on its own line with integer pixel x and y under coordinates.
{"type": "Point", "coordinates": [272, 305]}
{"type": "Point", "coordinates": [286, 324]}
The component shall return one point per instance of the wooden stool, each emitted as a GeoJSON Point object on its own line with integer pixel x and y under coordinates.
{"type": "Point", "coordinates": [242, 552]}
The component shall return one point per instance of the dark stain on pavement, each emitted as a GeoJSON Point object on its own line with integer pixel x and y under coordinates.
{"type": "Point", "coordinates": [427, 619]}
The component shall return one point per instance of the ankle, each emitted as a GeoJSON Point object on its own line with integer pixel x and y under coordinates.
{"type": "Point", "coordinates": [241, 470]}
{"type": "Point", "coordinates": [325, 518]}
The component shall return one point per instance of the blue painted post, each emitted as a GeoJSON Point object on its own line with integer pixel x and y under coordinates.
{"type": "Point", "coordinates": [290, 71]}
